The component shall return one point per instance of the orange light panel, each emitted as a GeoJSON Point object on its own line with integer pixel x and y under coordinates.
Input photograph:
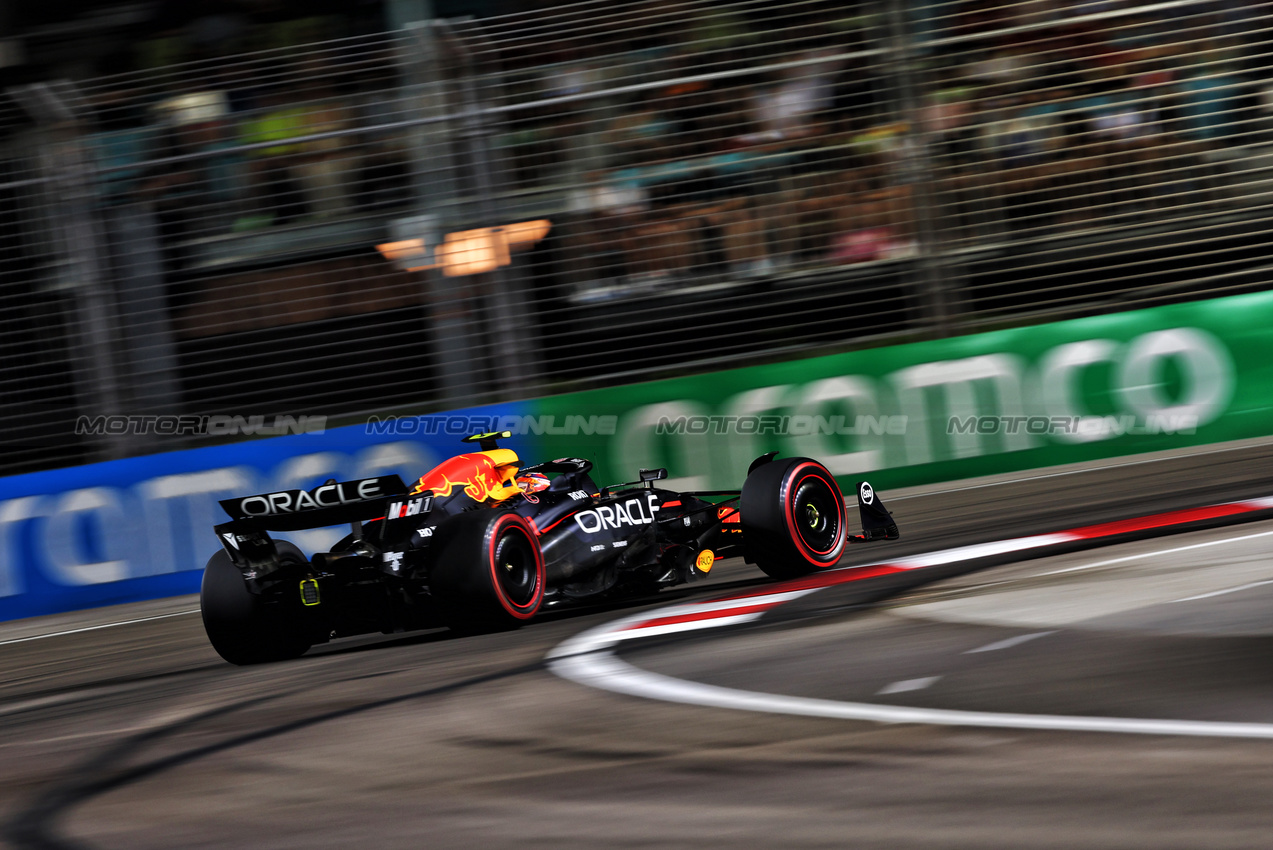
{"type": "Point", "coordinates": [408, 249]}
{"type": "Point", "coordinates": [473, 252]}
{"type": "Point", "coordinates": [466, 252]}
{"type": "Point", "coordinates": [524, 234]}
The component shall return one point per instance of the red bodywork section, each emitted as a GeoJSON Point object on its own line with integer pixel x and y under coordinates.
{"type": "Point", "coordinates": [476, 473]}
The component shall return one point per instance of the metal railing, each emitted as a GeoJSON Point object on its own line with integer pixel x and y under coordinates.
{"type": "Point", "coordinates": [474, 211]}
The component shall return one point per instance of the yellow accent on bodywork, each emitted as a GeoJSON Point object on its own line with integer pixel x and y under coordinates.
{"type": "Point", "coordinates": [506, 465]}
{"type": "Point", "coordinates": [502, 457]}
{"type": "Point", "coordinates": [317, 597]}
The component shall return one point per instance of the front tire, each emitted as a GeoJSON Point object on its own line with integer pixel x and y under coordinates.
{"type": "Point", "coordinates": [242, 627]}
{"type": "Point", "coordinates": [793, 518]}
{"type": "Point", "coordinates": [489, 572]}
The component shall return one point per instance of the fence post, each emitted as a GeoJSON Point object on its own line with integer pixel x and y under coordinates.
{"type": "Point", "coordinates": [148, 350]}
{"type": "Point", "coordinates": [936, 279]}
{"type": "Point", "coordinates": [77, 244]}
{"type": "Point", "coordinates": [512, 355]}
{"type": "Point", "coordinates": [452, 327]}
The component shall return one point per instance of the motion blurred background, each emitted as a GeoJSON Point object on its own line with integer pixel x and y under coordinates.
{"type": "Point", "coordinates": [386, 206]}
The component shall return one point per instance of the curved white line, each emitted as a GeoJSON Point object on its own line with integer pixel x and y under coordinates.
{"type": "Point", "coordinates": [588, 659]}
{"type": "Point", "coordinates": [607, 672]}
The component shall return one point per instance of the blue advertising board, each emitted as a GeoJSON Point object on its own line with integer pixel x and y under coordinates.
{"type": "Point", "coordinates": [141, 528]}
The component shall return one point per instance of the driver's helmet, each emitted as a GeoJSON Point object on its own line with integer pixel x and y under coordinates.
{"type": "Point", "coordinates": [533, 482]}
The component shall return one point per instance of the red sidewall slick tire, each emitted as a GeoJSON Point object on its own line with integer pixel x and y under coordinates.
{"type": "Point", "coordinates": [813, 479]}
{"type": "Point", "coordinates": [793, 518]}
{"type": "Point", "coordinates": [488, 573]}
{"type": "Point", "coordinates": [519, 597]}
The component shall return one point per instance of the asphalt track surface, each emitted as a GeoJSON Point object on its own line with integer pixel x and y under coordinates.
{"type": "Point", "coordinates": [138, 735]}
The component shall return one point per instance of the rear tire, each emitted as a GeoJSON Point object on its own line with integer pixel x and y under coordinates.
{"type": "Point", "coordinates": [489, 572]}
{"type": "Point", "coordinates": [793, 518]}
{"type": "Point", "coordinates": [243, 628]}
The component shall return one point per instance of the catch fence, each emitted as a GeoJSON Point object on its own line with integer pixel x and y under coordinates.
{"type": "Point", "coordinates": [483, 210]}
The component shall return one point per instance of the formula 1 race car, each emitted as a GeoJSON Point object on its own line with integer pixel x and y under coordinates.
{"type": "Point", "coordinates": [481, 543]}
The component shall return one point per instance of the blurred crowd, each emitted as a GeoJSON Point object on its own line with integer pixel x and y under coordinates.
{"type": "Point", "coordinates": [237, 147]}
{"type": "Point", "coordinates": [1098, 121]}
{"type": "Point", "coordinates": [1045, 117]}
{"type": "Point", "coordinates": [686, 139]}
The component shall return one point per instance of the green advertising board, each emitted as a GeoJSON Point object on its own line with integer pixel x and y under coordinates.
{"type": "Point", "coordinates": [140, 528]}
{"type": "Point", "coordinates": [1008, 400]}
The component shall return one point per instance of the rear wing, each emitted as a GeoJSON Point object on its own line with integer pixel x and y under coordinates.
{"type": "Point", "coordinates": [331, 503]}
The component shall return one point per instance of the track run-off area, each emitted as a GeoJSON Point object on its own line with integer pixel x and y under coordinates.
{"type": "Point", "coordinates": [1070, 658]}
{"type": "Point", "coordinates": [1052, 595]}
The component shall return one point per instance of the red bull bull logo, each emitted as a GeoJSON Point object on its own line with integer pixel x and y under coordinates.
{"type": "Point", "coordinates": [475, 473]}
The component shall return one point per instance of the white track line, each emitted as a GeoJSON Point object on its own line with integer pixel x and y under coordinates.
{"type": "Point", "coordinates": [605, 671]}
{"type": "Point", "coordinates": [730, 604]}
{"type": "Point", "coordinates": [1076, 471]}
{"type": "Point", "coordinates": [907, 685]}
{"type": "Point", "coordinates": [1223, 592]}
{"type": "Point", "coordinates": [983, 550]}
{"type": "Point", "coordinates": [95, 628]}
{"type": "Point", "coordinates": [1144, 555]}
{"type": "Point", "coordinates": [693, 625]}
{"type": "Point", "coordinates": [1008, 643]}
